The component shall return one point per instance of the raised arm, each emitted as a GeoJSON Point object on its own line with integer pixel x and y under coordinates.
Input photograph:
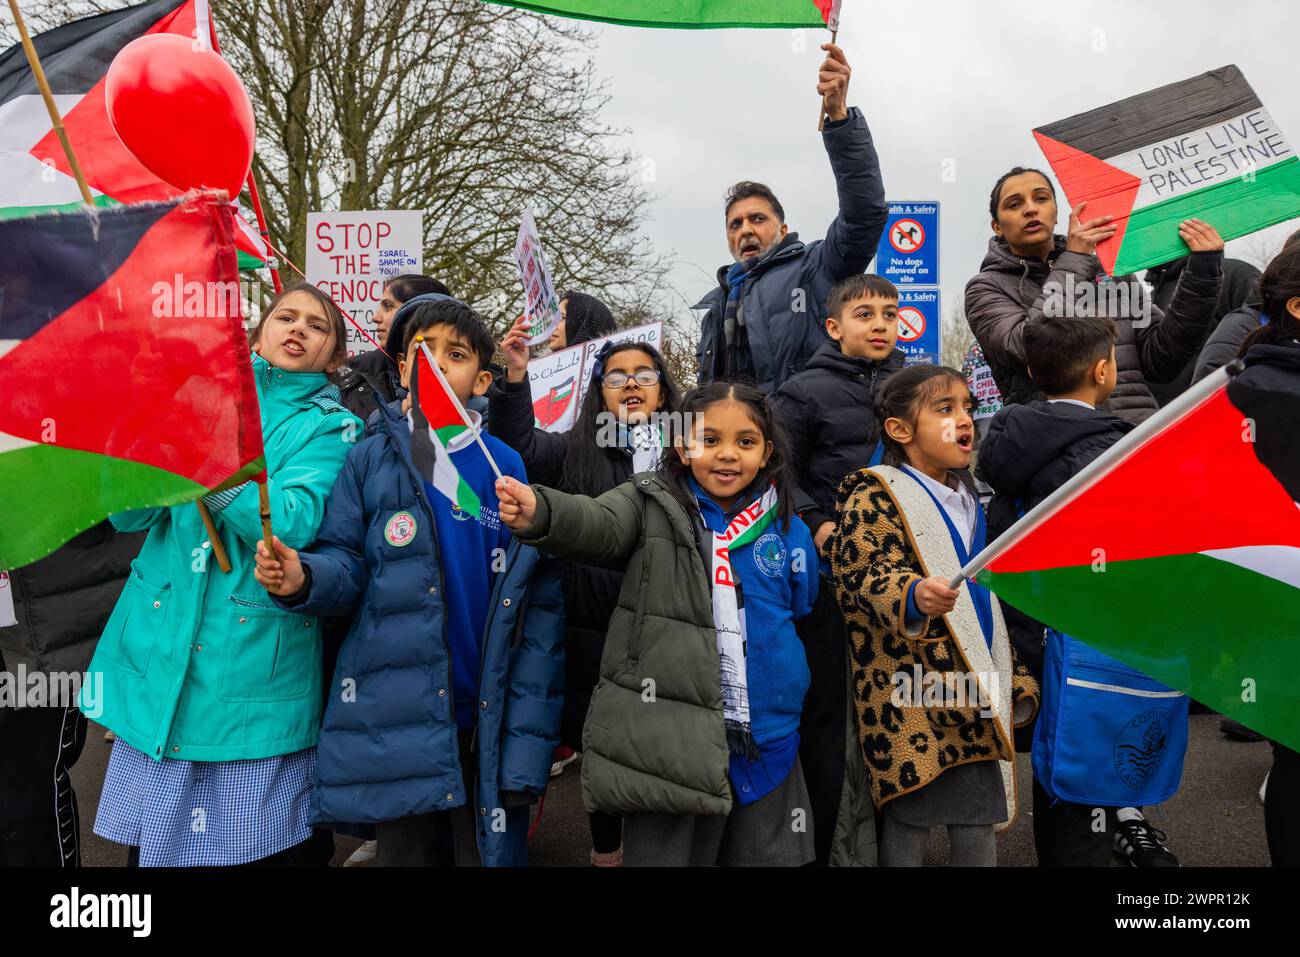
{"type": "Point", "coordinates": [511, 413]}
{"type": "Point", "coordinates": [853, 235]}
{"type": "Point", "coordinates": [1170, 340]}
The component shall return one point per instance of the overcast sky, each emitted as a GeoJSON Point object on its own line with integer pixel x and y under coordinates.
{"type": "Point", "coordinates": [938, 80]}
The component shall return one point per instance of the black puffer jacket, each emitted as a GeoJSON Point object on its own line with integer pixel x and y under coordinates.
{"type": "Point", "coordinates": [1009, 292]}
{"type": "Point", "coordinates": [1028, 453]}
{"type": "Point", "coordinates": [828, 412]}
{"type": "Point", "coordinates": [590, 593]}
{"type": "Point", "coordinates": [63, 601]}
{"type": "Point", "coordinates": [1240, 280]}
{"type": "Point", "coordinates": [1227, 339]}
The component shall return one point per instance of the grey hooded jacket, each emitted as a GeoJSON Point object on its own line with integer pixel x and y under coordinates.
{"type": "Point", "coordinates": [1011, 292]}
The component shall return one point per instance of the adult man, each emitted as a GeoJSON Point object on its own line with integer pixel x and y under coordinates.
{"type": "Point", "coordinates": [767, 315]}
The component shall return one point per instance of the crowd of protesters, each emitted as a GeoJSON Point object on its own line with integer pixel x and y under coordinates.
{"type": "Point", "coordinates": [707, 593]}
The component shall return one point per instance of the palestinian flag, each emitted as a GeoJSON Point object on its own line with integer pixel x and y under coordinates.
{"type": "Point", "coordinates": [439, 421]}
{"type": "Point", "coordinates": [34, 172]}
{"type": "Point", "coordinates": [692, 14]}
{"type": "Point", "coordinates": [1205, 148]}
{"type": "Point", "coordinates": [551, 407]}
{"type": "Point", "coordinates": [125, 367]}
{"type": "Point", "coordinates": [1178, 551]}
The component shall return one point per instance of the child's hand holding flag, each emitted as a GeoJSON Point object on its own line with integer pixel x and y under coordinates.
{"type": "Point", "coordinates": [518, 503]}
{"type": "Point", "coordinates": [281, 575]}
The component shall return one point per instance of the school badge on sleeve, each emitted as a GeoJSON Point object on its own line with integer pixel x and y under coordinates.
{"type": "Point", "coordinates": [400, 529]}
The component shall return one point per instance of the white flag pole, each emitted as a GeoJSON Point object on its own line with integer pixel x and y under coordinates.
{"type": "Point", "coordinates": [433, 364]}
{"type": "Point", "coordinates": [1123, 449]}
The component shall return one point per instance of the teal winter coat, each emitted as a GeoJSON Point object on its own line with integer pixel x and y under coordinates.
{"type": "Point", "coordinates": [198, 664]}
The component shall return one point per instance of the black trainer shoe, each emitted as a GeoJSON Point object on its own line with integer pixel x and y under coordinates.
{"type": "Point", "coordinates": [1143, 845]}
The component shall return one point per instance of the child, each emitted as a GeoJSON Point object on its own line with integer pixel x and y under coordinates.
{"type": "Point", "coordinates": [693, 729]}
{"type": "Point", "coordinates": [1032, 450]}
{"type": "Point", "coordinates": [826, 408]}
{"type": "Point", "coordinates": [446, 700]}
{"type": "Point", "coordinates": [629, 384]}
{"type": "Point", "coordinates": [905, 529]}
{"type": "Point", "coordinates": [827, 412]}
{"type": "Point", "coordinates": [213, 693]}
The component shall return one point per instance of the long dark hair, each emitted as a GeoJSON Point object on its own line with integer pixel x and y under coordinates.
{"type": "Point", "coordinates": [778, 470]}
{"type": "Point", "coordinates": [1278, 286]}
{"type": "Point", "coordinates": [901, 397]}
{"type": "Point", "coordinates": [584, 458]}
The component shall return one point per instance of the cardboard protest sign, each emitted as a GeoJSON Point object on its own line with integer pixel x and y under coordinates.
{"type": "Point", "coordinates": [350, 255]}
{"type": "Point", "coordinates": [560, 380]}
{"type": "Point", "coordinates": [554, 382]}
{"type": "Point", "coordinates": [1205, 148]}
{"type": "Point", "coordinates": [541, 304]}
{"type": "Point", "coordinates": [983, 387]}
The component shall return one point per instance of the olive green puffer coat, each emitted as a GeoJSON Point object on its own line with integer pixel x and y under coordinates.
{"type": "Point", "coordinates": [654, 739]}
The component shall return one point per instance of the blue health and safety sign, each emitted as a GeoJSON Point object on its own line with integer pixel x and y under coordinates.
{"type": "Point", "coordinates": [918, 325]}
{"type": "Point", "coordinates": [908, 254]}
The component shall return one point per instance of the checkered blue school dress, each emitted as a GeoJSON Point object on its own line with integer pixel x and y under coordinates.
{"type": "Point", "coordinates": [205, 813]}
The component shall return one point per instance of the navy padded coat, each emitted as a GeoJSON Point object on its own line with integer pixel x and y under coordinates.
{"type": "Point", "coordinates": [388, 745]}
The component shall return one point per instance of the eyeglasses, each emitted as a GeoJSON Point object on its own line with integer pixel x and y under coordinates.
{"type": "Point", "coordinates": [617, 380]}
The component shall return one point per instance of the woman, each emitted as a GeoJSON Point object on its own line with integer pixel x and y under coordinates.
{"type": "Point", "coordinates": [584, 318]}
{"type": "Point", "coordinates": [1030, 272]}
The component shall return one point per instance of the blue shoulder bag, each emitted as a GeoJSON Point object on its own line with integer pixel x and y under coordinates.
{"type": "Point", "coordinates": [1107, 735]}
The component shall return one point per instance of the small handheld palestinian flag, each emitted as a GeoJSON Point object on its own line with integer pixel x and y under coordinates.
{"type": "Point", "coordinates": [125, 368]}
{"type": "Point", "coordinates": [1205, 148]}
{"type": "Point", "coordinates": [34, 172]}
{"type": "Point", "coordinates": [1178, 550]}
{"type": "Point", "coordinates": [692, 14]}
{"type": "Point", "coordinates": [440, 420]}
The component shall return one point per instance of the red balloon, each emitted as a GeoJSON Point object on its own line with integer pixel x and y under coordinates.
{"type": "Point", "coordinates": [182, 112]}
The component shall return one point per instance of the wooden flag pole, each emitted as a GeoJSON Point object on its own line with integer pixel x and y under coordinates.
{"type": "Point", "coordinates": [218, 549]}
{"type": "Point", "coordinates": [56, 119]}
{"type": "Point", "coordinates": [821, 123]}
{"type": "Point", "coordinates": [264, 510]}
{"type": "Point", "coordinates": [35, 63]}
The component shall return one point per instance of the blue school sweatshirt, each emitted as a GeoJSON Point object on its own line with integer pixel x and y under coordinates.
{"type": "Point", "coordinates": [471, 551]}
{"type": "Point", "coordinates": [778, 578]}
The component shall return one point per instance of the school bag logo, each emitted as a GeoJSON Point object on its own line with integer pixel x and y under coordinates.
{"type": "Point", "coordinates": [1141, 746]}
{"type": "Point", "coordinates": [769, 554]}
{"type": "Point", "coordinates": [400, 529]}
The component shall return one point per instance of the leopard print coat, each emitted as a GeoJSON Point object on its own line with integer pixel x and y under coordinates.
{"type": "Point", "coordinates": [874, 560]}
